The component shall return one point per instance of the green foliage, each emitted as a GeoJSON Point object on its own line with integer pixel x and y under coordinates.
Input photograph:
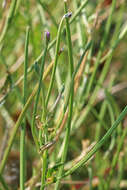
{"type": "Point", "coordinates": [63, 94]}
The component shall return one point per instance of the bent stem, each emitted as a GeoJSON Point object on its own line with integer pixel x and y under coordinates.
{"type": "Point", "coordinates": [68, 127]}
{"type": "Point", "coordinates": [98, 145]}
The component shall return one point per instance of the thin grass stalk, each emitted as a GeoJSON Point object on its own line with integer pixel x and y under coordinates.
{"type": "Point", "coordinates": [45, 153]}
{"type": "Point", "coordinates": [23, 127]}
{"type": "Point", "coordinates": [98, 145]}
{"type": "Point", "coordinates": [68, 127]}
{"type": "Point", "coordinates": [45, 130]}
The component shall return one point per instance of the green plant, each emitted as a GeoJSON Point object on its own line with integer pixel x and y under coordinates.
{"type": "Point", "coordinates": [73, 93]}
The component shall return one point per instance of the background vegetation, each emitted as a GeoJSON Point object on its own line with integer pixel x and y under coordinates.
{"type": "Point", "coordinates": [63, 92]}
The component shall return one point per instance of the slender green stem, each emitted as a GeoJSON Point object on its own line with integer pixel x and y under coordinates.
{"type": "Point", "coordinates": [68, 127]}
{"type": "Point", "coordinates": [37, 99]}
{"type": "Point", "coordinates": [44, 169]}
{"type": "Point", "coordinates": [8, 20]}
{"type": "Point", "coordinates": [55, 61]}
{"type": "Point", "coordinates": [98, 145]}
{"type": "Point", "coordinates": [23, 127]}
{"type": "Point", "coordinates": [34, 133]}
{"type": "Point", "coordinates": [45, 153]}
{"type": "Point", "coordinates": [44, 161]}
{"type": "Point", "coordinates": [45, 130]}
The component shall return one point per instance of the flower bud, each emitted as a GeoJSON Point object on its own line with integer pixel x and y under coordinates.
{"type": "Point", "coordinates": [68, 15]}
{"type": "Point", "coordinates": [47, 33]}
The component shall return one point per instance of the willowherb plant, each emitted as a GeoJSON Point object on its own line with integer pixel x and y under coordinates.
{"type": "Point", "coordinates": [72, 96]}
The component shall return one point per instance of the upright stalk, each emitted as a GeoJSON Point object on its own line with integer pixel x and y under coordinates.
{"type": "Point", "coordinates": [45, 132]}
{"type": "Point", "coordinates": [68, 127]}
{"type": "Point", "coordinates": [55, 61]}
{"type": "Point", "coordinates": [23, 127]}
{"type": "Point", "coordinates": [43, 120]}
{"type": "Point", "coordinates": [34, 133]}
